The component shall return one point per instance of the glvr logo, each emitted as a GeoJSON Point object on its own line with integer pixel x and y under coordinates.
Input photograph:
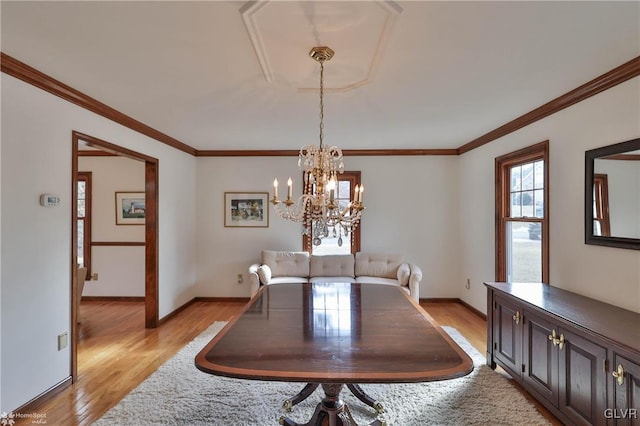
{"type": "Point", "coordinates": [621, 413]}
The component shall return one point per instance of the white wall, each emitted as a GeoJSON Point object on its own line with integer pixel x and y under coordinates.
{"type": "Point", "coordinates": [604, 273]}
{"type": "Point", "coordinates": [36, 244]}
{"type": "Point", "coordinates": [399, 192]}
{"type": "Point", "coordinates": [120, 269]}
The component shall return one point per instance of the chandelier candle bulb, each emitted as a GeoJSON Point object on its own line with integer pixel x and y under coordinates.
{"type": "Point", "coordinates": [290, 185]}
{"type": "Point", "coordinates": [275, 190]}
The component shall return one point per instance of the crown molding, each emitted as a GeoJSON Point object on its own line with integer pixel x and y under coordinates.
{"type": "Point", "coordinates": [599, 84]}
{"type": "Point", "coordinates": [24, 72]}
{"type": "Point", "coordinates": [345, 152]}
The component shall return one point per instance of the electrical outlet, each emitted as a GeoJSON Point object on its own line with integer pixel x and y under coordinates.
{"type": "Point", "coordinates": [240, 279]}
{"type": "Point", "coordinates": [94, 276]}
{"type": "Point", "coordinates": [63, 340]}
{"type": "Point", "coordinates": [468, 286]}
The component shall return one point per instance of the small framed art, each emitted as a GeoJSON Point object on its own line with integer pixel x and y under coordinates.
{"type": "Point", "coordinates": [130, 208]}
{"type": "Point", "coordinates": [246, 209]}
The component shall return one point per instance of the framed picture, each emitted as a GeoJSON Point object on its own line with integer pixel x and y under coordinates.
{"type": "Point", "coordinates": [130, 208]}
{"type": "Point", "coordinates": [246, 209]}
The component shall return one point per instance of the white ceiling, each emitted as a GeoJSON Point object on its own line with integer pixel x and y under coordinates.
{"type": "Point", "coordinates": [231, 75]}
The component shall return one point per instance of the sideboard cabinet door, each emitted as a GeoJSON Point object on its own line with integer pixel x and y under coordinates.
{"type": "Point", "coordinates": [540, 357]}
{"type": "Point", "coordinates": [507, 335]}
{"type": "Point", "coordinates": [583, 380]}
{"type": "Point", "coordinates": [626, 392]}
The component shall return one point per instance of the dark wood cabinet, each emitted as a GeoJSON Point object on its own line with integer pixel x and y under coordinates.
{"type": "Point", "coordinates": [508, 341]}
{"type": "Point", "coordinates": [583, 375]}
{"type": "Point", "coordinates": [579, 357]}
{"type": "Point", "coordinates": [625, 391]}
{"type": "Point", "coordinates": [540, 360]}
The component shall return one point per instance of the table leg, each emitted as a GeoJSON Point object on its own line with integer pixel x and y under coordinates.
{"type": "Point", "coordinates": [301, 396]}
{"type": "Point", "coordinates": [331, 411]}
{"type": "Point", "coordinates": [359, 393]}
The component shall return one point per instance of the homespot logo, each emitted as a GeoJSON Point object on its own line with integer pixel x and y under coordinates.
{"type": "Point", "coordinates": [621, 413]}
{"type": "Point", "coordinates": [7, 419]}
{"type": "Point", "coordinates": [10, 419]}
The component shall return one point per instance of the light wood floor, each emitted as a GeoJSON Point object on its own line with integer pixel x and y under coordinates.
{"type": "Point", "coordinates": [116, 352]}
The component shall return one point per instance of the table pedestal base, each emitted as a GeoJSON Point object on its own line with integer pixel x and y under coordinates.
{"type": "Point", "coordinates": [332, 411]}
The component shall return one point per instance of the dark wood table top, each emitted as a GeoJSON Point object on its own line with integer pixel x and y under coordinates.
{"type": "Point", "coordinates": [334, 333]}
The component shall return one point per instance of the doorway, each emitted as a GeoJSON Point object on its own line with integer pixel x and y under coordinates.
{"type": "Point", "coordinates": [150, 234]}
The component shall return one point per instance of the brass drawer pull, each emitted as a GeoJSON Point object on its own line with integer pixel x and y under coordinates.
{"type": "Point", "coordinates": [516, 317]}
{"type": "Point", "coordinates": [619, 374]}
{"type": "Point", "coordinates": [557, 341]}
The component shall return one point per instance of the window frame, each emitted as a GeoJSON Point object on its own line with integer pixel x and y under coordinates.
{"type": "Point", "coordinates": [503, 164]}
{"type": "Point", "coordinates": [601, 195]}
{"type": "Point", "coordinates": [355, 178]}
{"type": "Point", "coordinates": [86, 178]}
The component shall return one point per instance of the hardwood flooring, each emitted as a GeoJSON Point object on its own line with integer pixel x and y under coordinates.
{"type": "Point", "coordinates": [116, 352]}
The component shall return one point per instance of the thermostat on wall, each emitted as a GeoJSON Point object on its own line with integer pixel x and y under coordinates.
{"type": "Point", "coordinates": [49, 200]}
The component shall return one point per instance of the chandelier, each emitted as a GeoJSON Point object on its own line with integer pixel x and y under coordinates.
{"type": "Point", "coordinates": [322, 215]}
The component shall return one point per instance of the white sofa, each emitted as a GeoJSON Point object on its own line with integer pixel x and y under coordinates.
{"type": "Point", "coordinates": [279, 267]}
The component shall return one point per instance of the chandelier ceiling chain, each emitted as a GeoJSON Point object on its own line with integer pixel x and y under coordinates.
{"type": "Point", "coordinates": [321, 103]}
{"type": "Point", "coordinates": [322, 215]}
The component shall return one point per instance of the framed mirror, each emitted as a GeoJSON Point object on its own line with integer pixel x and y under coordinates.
{"type": "Point", "coordinates": [612, 195]}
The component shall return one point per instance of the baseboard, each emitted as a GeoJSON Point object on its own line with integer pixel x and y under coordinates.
{"type": "Point", "coordinates": [223, 299]}
{"type": "Point", "coordinates": [440, 300]}
{"type": "Point", "coordinates": [201, 299]}
{"type": "Point", "coordinates": [472, 309]}
{"type": "Point", "coordinates": [33, 405]}
{"type": "Point", "coordinates": [454, 300]}
{"type": "Point", "coordinates": [113, 298]}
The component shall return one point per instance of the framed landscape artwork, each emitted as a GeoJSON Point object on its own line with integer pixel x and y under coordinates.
{"type": "Point", "coordinates": [130, 208]}
{"type": "Point", "coordinates": [246, 209]}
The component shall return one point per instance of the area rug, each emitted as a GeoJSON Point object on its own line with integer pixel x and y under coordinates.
{"type": "Point", "coordinates": [179, 394]}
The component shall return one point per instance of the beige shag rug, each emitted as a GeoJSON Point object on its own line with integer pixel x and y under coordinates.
{"type": "Point", "coordinates": [179, 394]}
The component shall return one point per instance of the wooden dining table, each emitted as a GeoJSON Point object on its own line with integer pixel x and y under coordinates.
{"type": "Point", "coordinates": [333, 335]}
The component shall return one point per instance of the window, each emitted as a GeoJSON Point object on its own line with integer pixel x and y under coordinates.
{"type": "Point", "coordinates": [601, 225]}
{"type": "Point", "coordinates": [522, 231]}
{"type": "Point", "coordinates": [347, 181]}
{"type": "Point", "coordinates": [84, 220]}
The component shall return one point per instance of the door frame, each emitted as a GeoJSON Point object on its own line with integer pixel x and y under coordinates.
{"type": "Point", "coordinates": [151, 234]}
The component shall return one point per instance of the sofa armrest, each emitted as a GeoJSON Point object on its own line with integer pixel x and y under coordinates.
{"type": "Point", "coordinates": [254, 279]}
{"type": "Point", "coordinates": [414, 281]}
{"type": "Point", "coordinates": [404, 271]}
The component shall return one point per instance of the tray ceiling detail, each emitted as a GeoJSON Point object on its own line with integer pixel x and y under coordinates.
{"type": "Point", "coordinates": [282, 33]}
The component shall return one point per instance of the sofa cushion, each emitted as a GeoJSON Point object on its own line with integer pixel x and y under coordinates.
{"type": "Point", "coordinates": [287, 263]}
{"type": "Point", "coordinates": [376, 280]}
{"type": "Point", "coordinates": [335, 265]}
{"type": "Point", "coordinates": [288, 280]}
{"type": "Point", "coordinates": [378, 265]}
{"type": "Point", "coordinates": [332, 280]}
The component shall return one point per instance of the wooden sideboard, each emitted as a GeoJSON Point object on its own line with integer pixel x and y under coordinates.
{"type": "Point", "coordinates": [577, 356]}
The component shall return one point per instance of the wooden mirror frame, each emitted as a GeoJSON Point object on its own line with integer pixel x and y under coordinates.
{"type": "Point", "coordinates": [589, 160]}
